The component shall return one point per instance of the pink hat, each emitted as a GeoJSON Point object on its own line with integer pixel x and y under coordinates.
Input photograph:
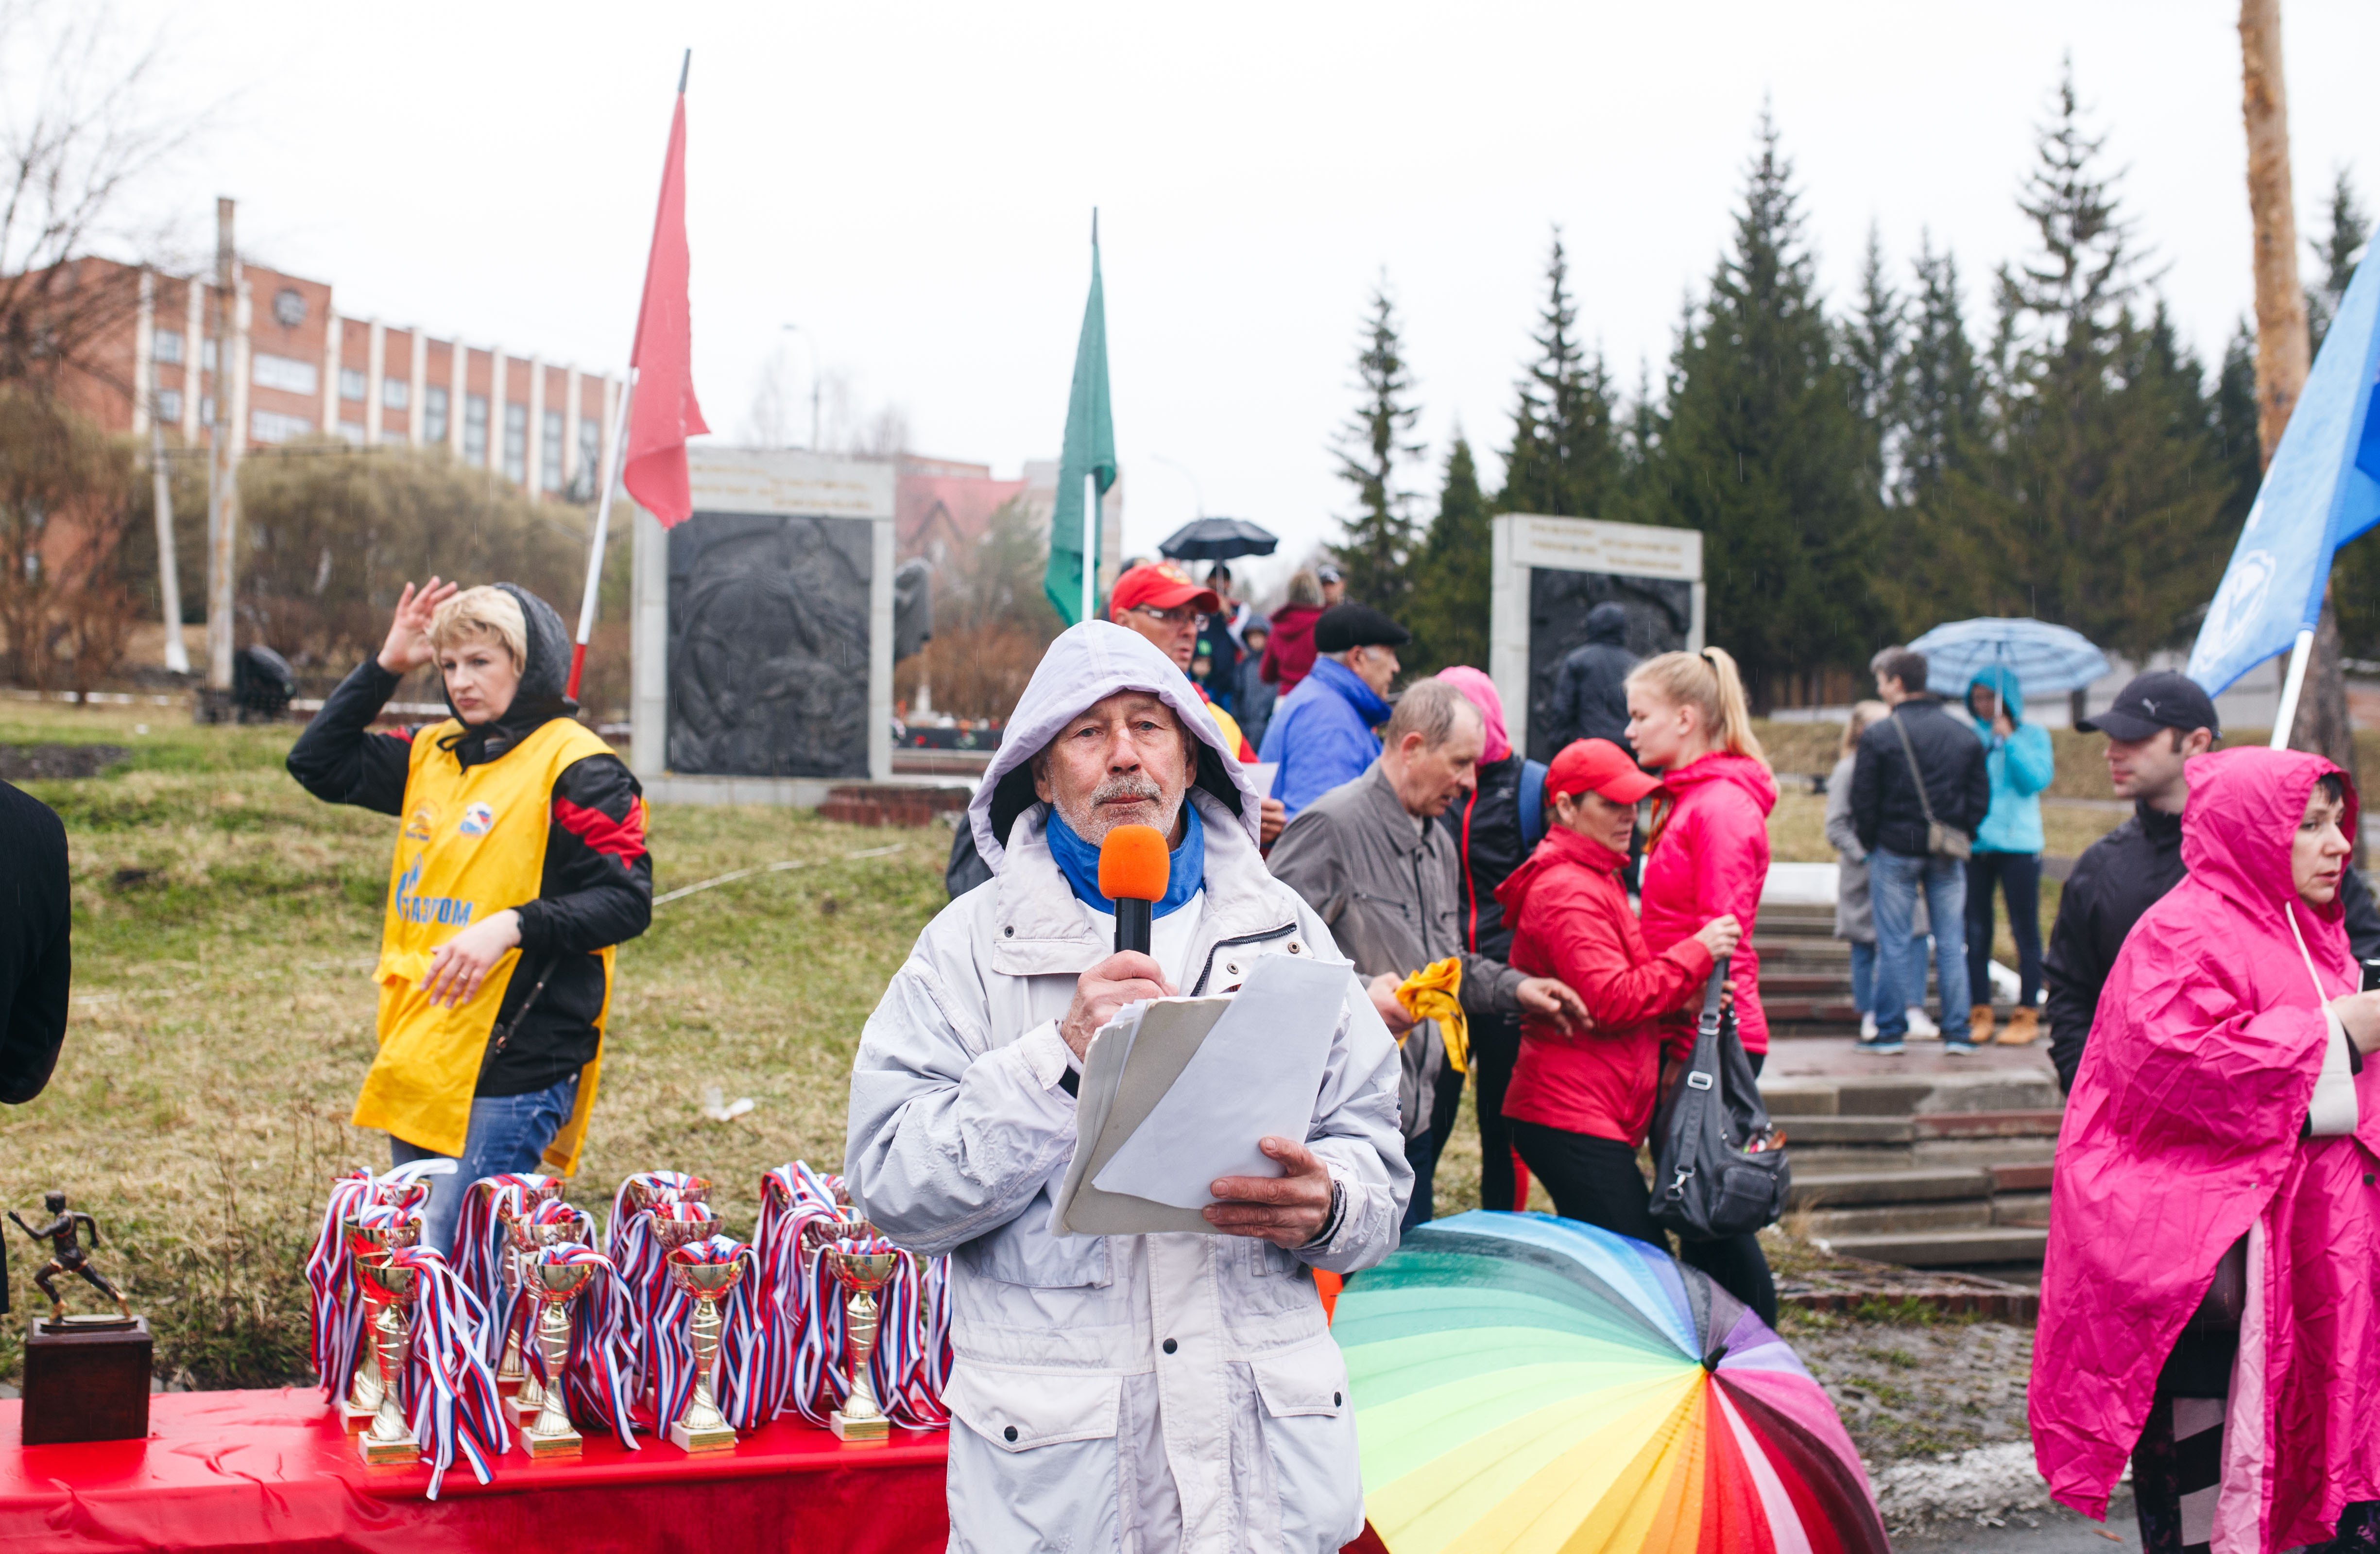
{"type": "Point", "coordinates": [1480, 691]}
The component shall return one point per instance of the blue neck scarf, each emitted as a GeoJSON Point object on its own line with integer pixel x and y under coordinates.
{"type": "Point", "coordinates": [1079, 862]}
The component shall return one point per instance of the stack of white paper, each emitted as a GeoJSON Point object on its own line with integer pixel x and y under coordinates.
{"type": "Point", "coordinates": [1176, 1092]}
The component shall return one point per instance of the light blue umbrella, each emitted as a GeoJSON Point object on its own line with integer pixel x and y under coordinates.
{"type": "Point", "coordinates": [2044, 659]}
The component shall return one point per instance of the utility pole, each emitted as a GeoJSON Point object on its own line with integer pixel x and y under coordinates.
{"type": "Point", "coordinates": [2282, 345]}
{"type": "Point", "coordinates": [169, 567]}
{"type": "Point", "coordinates": [223, 463]}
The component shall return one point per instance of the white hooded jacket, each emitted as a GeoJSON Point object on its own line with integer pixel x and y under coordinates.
{"type": "Point", "coordinates": [1129, 1393]}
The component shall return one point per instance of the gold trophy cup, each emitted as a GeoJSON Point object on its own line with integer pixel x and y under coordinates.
{"type": "Point", "coordinates": [362, 1402]}
{"type": "Point", "coordinates": [862, 1274]}
{"type": "Point", "coordinates": [703, 1427]}
{"type": "Point", "coordinates": [388, 1291]}
{"type": "Point", "coordinates": [523, 1240]}
{"type": "Point", "coordinates": [554, 1286]}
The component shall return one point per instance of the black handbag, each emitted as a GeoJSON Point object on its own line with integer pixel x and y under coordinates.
{"type": "Point", "coordinates": [1708, 1180]}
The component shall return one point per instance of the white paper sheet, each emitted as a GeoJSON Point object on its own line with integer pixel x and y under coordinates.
{"type": "Point", "coordinates": [1257, 1074]}
{"type": "Point", "coordinates": [1260, 776]}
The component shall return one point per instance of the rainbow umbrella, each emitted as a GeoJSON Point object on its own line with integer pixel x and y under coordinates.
{"type": "Point", "coordinates": [1529, 1383]}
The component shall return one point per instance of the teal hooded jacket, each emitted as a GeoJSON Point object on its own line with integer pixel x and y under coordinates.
{"type": "Point", "coordinates": [2020, 764]}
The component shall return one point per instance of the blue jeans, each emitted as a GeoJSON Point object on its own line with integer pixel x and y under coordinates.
{"type": "Point", "coordinates": [1864, 962]}
{"type": "Point", "coordinates": [1893, 882]}
{"type": "Point", "coordinates": [507, 1134]}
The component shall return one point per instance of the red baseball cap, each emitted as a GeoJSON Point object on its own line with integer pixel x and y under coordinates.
{"type": "Point", "coordinates": [1160, 585]}
{"type": "Point", "coordinates": [1598, 766]}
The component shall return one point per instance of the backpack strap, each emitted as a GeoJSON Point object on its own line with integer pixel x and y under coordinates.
{"type": "Point", "coordinates": [1532, 804]}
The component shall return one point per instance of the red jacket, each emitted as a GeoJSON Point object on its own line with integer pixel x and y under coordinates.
{"type": "Point", "coordinates": [1289, 651]}
{"type": "Point", "coordinates": [1572, 921]}
{"type": "Point", "coordinates": [1708, 857]}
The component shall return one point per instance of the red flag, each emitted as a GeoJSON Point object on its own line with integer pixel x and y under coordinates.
{"type": "Point", "coordinates": [664, 413]}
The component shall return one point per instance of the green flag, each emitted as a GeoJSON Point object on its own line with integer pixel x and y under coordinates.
{"type": "Point", "coordinates": [1091, 450]}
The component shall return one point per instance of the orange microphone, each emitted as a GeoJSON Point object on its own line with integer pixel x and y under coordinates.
{"type": "Point", "coordinates": [1134, 872]}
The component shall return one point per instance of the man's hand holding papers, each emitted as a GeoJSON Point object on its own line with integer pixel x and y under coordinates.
{"type": "Point", "coordinates": [1288, 1210]}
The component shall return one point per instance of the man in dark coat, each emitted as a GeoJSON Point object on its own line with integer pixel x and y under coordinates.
{"type": "Point", "coordinates": [36, 955]}
{"type": "Point", "coordinates": [2158, 722]}
{"type": "Point", "coordinates": [1591, 686]}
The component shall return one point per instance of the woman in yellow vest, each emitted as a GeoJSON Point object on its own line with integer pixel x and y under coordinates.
{"type": "Point", "coordinates": [521, 862]}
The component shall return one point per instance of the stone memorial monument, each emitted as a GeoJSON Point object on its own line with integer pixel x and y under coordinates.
{"type": "Point", "coordinates": [763, 630]}
{"type": "Point", "coordinates": [1548, 573]}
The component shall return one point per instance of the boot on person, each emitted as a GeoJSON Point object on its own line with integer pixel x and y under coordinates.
{"type": "Point", "coordinates": [2024, 1025]}
{"type": "Point", "coordinates": [1979, 1021]}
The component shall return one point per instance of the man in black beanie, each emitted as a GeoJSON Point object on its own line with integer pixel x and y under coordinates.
{"type": "Point", "coordinates": [1324, 732]}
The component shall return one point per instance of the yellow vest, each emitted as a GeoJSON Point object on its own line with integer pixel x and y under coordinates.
{"type": "Point", "coordinates": [472, 845]}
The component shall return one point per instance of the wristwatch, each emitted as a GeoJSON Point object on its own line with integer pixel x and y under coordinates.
{"type": "Point", "coordinates": [1330, 1222]}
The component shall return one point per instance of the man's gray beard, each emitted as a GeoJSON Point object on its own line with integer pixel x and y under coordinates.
{"type": "Point", "coordinates": [1089, 820]}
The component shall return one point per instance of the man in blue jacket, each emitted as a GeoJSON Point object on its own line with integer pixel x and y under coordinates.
{"type": "Point", "coordinates": [1322, 734]}
{"type": "Point", "coordinates": [2018, 758]}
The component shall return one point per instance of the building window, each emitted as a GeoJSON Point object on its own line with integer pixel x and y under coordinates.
{"type": "Point", "coordinates": [549, 453]}
{"type": "Point", "coordinates": [353, 431]}
{"type": "Point", "coordinates": [207, 354]}
{"type": "Point", "coordinates": [169, 405]}
{"type": "Point", "coordinates": [433, 415]}
{"type": "Point", "coordinates": [206, 409]}
{"type": "Point", "coordinates": [474, 428]}
{"type": "Point", "coordinates": [284, 372]}
{"type": "Point", "coordinates": [351, 384]}
{"type": "Point", "coordinates": [590, 447]}
{"type": "Point", "coordinates": [166, 348]}
{"type": "Point", "coordinates": [396, 394]}
{"type": "Point", "coordinates": [271, 426]}
{"type": "Point", "coordinates": [515, 442]}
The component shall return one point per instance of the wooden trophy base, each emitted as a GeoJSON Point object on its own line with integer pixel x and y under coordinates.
{"type": "Point", "coordinates": [388, 1453]}
{"type": "Point", "coordinates": [547, 1449]}
{"type": "Point", "coordinates": [859, 1431]}
{"type": "Point", "coordinates": [720, 1439]}
{"type": "Point", "coordinates": [87, 1379]}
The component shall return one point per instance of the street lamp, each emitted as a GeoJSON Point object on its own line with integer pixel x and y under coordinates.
{"type": "Point", "coordinates": [812, 337]}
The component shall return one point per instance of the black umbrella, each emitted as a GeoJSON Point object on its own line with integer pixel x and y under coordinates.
{"type": "Point", "coordinates": [1218, 540]}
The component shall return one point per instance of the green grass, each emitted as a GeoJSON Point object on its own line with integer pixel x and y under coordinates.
{"type": "Point", "coordinates": [225, 928]}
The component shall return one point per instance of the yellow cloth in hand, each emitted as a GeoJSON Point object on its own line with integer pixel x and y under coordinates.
{"type": "Point", "coordinates": [1434, 992]}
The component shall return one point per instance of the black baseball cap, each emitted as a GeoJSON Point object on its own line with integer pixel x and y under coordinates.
{"type": "Point", "coordinates": [2160, 698]}
{"type": "Point", "coordinates": [1356, 625]}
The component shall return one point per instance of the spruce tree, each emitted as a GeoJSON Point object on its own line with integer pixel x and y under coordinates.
{"type": "Point", "coordinates": [1452, 573]}
{"type": "Point", "coordinates": [1565, 458]}
{"type": "Point", "coordinates": [2350, 228]}
{"type": "Point", "coordinates": [1379, 537]}
{"type": "Point", "coordinates": [1873, 353]}
{"type": "Point", "coordinates": [1937, 420]}
{"type": "Point", "coordinates": [2097, 501]}
{"type": "Point", "coordinates": [1762, 451]}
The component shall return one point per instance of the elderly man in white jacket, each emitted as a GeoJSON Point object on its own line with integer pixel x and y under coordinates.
{"type": "Point", "coordinates": [1130, 1393]}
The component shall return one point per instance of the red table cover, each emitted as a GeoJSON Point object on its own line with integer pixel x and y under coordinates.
{"type": "Point", "coordinates": [273, 1470]}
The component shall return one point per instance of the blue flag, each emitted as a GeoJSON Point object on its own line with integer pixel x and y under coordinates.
{"type": "Point", "coordinates": [2322, 490]}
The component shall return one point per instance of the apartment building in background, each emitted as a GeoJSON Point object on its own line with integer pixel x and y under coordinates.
{"type": "Point", "coordinates": [300, 367]}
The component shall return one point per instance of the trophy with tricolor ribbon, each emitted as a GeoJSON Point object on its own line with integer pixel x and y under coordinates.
{"type": "Point", "coordinates": [706, 1271]}
{"type": "Point", "coordinates": [863, 1263]}
{"type": "Point", "coordinates": [388, 1289]}
{"type": "Point", "coordinates": [550, 1223]}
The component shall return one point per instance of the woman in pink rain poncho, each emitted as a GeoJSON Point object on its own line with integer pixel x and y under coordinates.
{"type": "Point", "coordinates": [2224, 1103]}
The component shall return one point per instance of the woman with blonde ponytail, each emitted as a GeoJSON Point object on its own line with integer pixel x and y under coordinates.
{"type": "Point", "coordinates": [1706, 857]}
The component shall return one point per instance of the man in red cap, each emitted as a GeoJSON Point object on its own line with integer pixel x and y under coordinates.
{"type": "Point", "coordinates": [1159, 601]}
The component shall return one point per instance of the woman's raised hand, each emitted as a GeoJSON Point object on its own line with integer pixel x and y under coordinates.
{"type": "Point", "coordinates": [1721, 936]}
{"type": "Point", "coordinates": [408, 648]}
{"type": "Point", "coordinates": [2360, 1012]}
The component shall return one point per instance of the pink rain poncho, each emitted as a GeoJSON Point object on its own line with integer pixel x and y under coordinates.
{"type": "Point", "coordinates": [2182, 1136]}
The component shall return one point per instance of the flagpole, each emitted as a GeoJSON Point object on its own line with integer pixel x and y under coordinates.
{"type": "Point", "coordinates": [2286, 718]}
{"type": "Point", "coordinates": [1091, 484]}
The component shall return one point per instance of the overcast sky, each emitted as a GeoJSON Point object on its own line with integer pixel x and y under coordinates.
{"type": "Point", "coordinates": [914, 185]}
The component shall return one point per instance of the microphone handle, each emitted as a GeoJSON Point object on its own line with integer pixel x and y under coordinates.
{"type": "Point", "coordinates": [1132, 925]}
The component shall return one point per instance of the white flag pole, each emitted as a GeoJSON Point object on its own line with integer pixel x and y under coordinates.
{"type": "Point", "coordinates": [611, 456]}
{"type": "Point", "coordinates": [2286, 718]}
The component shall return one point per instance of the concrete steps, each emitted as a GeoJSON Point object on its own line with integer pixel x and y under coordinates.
{"type": "Point", "coordinates": [1995, 1246]}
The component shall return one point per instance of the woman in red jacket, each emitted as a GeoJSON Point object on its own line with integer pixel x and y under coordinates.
{"type": "Point", "coordinates": [1579, 1106]}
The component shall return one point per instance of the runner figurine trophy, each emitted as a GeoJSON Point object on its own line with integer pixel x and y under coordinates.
{"type": "Point", "coordinates": [66, 1255]}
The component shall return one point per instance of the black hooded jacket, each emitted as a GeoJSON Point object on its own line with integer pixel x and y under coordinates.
{"type": "Point", "coordinates": [598, 884]}
{"type": "Point", "coordinates": [1591, 686]}
{"type": "Point", "coordinates": [2116, 879]}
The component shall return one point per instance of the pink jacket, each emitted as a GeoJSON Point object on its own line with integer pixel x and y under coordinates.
{"type": "Point", "coordinates": [2182, 1136]}
{"type": "Point", "coordinates": [1708, 857]}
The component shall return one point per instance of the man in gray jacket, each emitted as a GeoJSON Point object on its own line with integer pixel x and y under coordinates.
{"type": "Point", "coordinates": [1366, 858]}
{"type": "Point", "coordinates": [1121, 1392]}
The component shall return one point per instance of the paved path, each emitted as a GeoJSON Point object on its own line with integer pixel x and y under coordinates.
{"type": "Point", "coordinates": [2054, 1531]}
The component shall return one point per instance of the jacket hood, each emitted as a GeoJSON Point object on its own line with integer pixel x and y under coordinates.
{"type": "Point", "coordinates": [1720, 766]}
{"type": "Point", "coordinates": [1480, 691]}
{"type": "Point", "coordinates": [2001, 680]}
{"type": "Point", "coordinates": [1087, 663]}
{"type": "Point", "coordinates": [537, 701]}
{"type": "Point", "coordinates": [2242, 819]}
{"type": "Point", "coordinates": [1608, 623]}
{"type": "Point", "coordinates": [1562, 847]}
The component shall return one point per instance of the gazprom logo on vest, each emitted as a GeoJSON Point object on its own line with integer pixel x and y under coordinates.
{"type": "Point", "coordinates": [411, 908]}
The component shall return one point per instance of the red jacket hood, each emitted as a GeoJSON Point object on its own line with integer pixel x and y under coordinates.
{"type": "Point", "coordinates": [2241, 820]}
{"type": "Point", "coordinates": [1720, 766]}
{"type": "Point", "coordinates": [1560, 846]}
